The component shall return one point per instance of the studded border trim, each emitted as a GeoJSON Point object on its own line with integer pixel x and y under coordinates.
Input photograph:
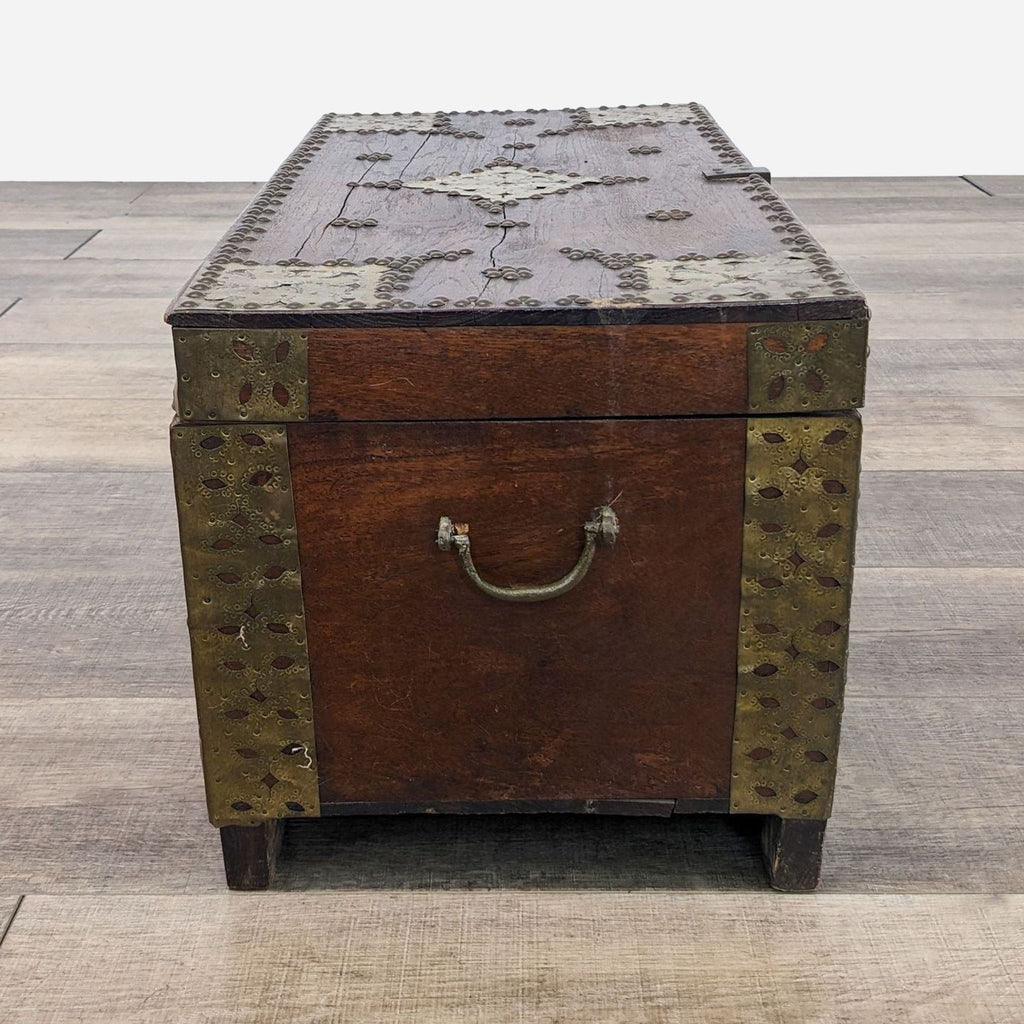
{"type": "Point", "coordinates": [797, 572]}
{"type": "Point", "coordinates": [806, 367]}
{"type": "Point", "coordinates": [246, 621]}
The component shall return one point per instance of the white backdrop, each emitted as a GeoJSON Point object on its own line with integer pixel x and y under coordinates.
{"type": "Point", "coordinates": [223, 90]}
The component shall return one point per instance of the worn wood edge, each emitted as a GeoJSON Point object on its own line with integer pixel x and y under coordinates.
{"type": "Point", "coordinates": [630, 808]}
{"type": "Point", "coordinates": [727, 312]}
{"type": "Point", "coordinates": [250, 854]}
{"type": "Point", "coordinates": [792, 852]}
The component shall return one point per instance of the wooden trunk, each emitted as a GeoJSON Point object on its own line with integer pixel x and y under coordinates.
{"type": "Point", "coordinates": [516, 460]}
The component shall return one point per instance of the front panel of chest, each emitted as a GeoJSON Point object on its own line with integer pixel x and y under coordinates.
{"type": "Point", "coordinates": [684, 638]}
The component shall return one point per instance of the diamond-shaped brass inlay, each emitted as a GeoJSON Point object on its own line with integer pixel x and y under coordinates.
{"type": "Point", "coordinates": [505, 184]}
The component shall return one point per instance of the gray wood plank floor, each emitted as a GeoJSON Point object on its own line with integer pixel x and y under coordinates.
{"type": "Point", "coordinates": [124, 916]}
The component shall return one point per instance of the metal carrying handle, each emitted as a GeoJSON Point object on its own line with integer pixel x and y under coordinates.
{"type": "Point", "coordinates": [603, 527]}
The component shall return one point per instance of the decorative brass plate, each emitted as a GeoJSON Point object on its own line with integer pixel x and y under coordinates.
{"type": "Point", "coordinates": [256, 376]}
{"type": "Point", "coordinates": [806, 367]}
{"type": "Point", "coordinates": [798, 536]}
{"type": "Point", "coordinates": [246, 621]}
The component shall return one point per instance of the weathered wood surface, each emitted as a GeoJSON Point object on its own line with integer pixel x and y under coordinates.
{"type": "Point", "coordinates": [503, 957]}
{"type": "Point", "coordinates": [92, 617]}
{"type": "Point", "coordinates": [480, 212]}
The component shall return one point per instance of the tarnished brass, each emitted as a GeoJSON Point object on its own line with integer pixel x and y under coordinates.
{"type": "Point", "coordinates": [811, 366]}
{"type": "Point", "coordinates": [603, 527]}
{"type": "Point", "coordinates": [246, 622]}
{"type": "Point", "coordinates": [256, 376]}
{"type": "Point", "coordinates": [798, 538]}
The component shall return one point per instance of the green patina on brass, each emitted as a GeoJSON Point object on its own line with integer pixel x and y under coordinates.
{"type": "Point", "coordinates": [798, 540]}
{"type": "Point", "coordinates": [806, 367]}
{"type": "Point", "coordinates": [257, 376]}
{"type": "Point", "coordinates": [246, 622]}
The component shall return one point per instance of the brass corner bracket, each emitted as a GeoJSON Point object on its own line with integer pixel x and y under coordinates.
{"type": "Point", "coordinates": [807, 366]}
{"type": "Point", "coordinates": [259, 376]}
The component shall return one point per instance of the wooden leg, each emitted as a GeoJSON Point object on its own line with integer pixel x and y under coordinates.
{"type": "Point", "coordinates": [250, 853]}
{"type": "Point", "coordinates": [792, 852]}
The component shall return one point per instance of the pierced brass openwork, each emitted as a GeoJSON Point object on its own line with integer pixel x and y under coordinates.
{"type": "Point", "coordinates": [812, 366]}
{"type": "Point", "coordinates": [256, 376]}
{"type": "Point", "coordinates": [797, 571]}
{"type": "Point", "coordinates": [246, 622]}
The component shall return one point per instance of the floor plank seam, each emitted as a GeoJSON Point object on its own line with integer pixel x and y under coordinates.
{"type": "Point", "coordinates": [80, 244]}
{"type": "Point", "coordinates": [10, 920]}
{"type": "Point", "coordinates": [980, 188]}
{"type": "Point", "coordinates": [142, 193]}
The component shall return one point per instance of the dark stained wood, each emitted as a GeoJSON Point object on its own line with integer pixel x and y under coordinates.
{"type": "Point", "coordinates": [610, 189]}
{"type": "Point", "coordinates": [792, 852]}
{"type": "Point", "coordinates": [426, 690]}
{"type": "Point", "coordinates": [623, 808]}
{"type": "Point", "coordinates": [250, 854]}
{"type": "Point", "coordinates": [481, 373]}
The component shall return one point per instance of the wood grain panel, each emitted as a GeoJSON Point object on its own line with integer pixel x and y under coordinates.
{"type": "Point", "coordinates": [437, 373]}
{"type": "Point", "coordinates": [981, 521]}
{"type": "Point", "coordinates": [622, 688]}
{"type": "Point", "coordinates": [498, 957]}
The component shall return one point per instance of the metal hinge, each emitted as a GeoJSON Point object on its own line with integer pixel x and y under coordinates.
{"type": "Point", "coordinates": [725, 173]}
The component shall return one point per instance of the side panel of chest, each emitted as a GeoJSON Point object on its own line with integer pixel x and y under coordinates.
{"type": "Point", "coordinates": [426, 689]}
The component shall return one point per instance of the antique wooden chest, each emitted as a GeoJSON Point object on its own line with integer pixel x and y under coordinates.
{"type": "Point", "coordinates": [599, 338]}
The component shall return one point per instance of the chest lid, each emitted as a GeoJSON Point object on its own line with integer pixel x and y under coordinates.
{"type": "Point", "coordinates": [623, 261]}
{"type": "Point", "coordinates": [624, 214]}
